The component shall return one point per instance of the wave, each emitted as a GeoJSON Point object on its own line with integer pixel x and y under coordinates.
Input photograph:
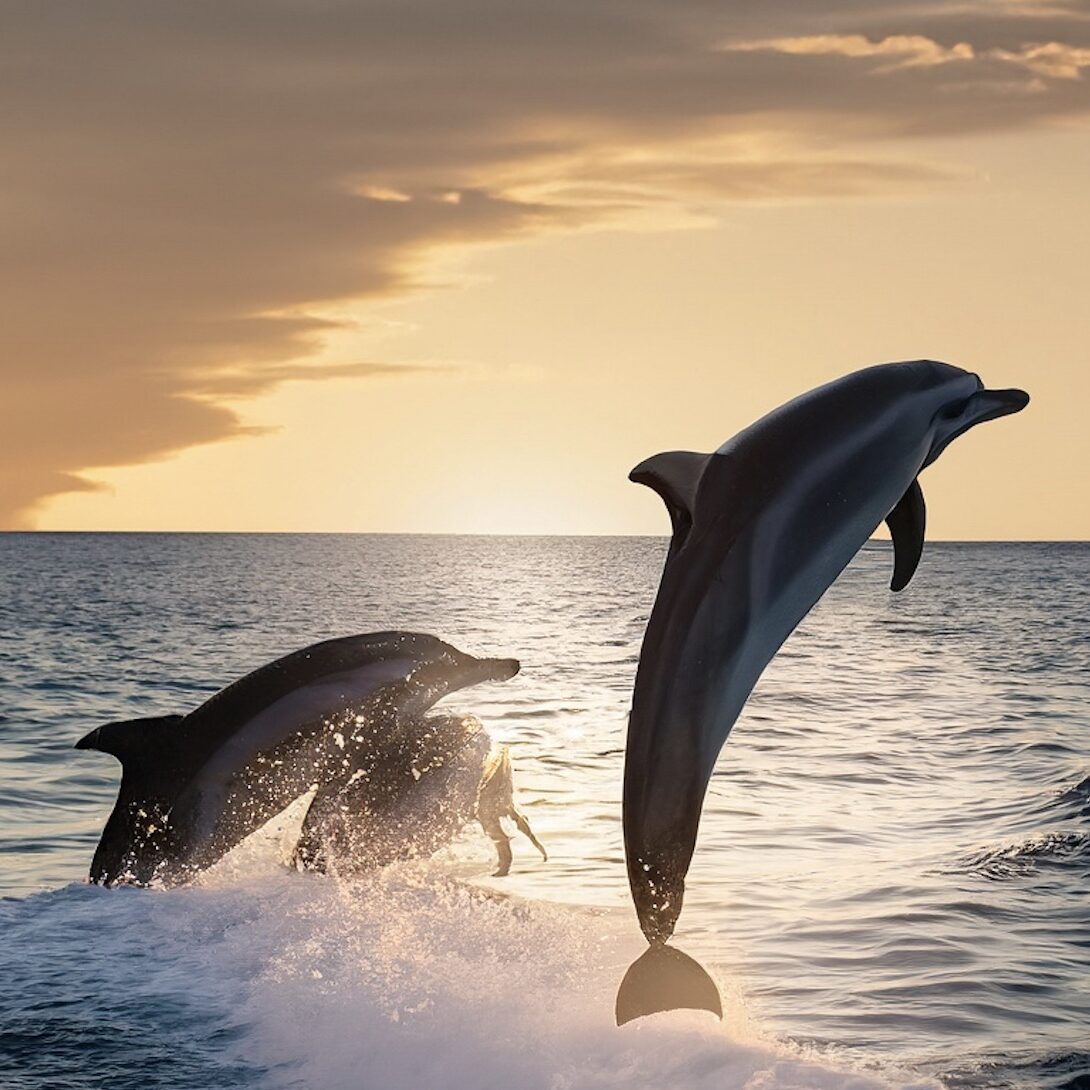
{"type": "Point", "coordinates": [1051, 850]}
{"type": "Point", "coordinates": [410, 979]}
{"type": "Point", "coordinates": [1062, 1071]}
{"type": "Point", "coordinates": [1076, 800]}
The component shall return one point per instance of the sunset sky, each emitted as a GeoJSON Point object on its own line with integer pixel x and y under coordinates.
{"type": "Point", "coordinates": [458, 266]}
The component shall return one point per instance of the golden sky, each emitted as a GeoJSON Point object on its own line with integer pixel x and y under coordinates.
{"type": "Point", "coordinates": [457, 266]}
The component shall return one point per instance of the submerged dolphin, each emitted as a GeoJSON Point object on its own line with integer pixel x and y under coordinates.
{"type": "Point", "coordinates": [418, 796]}
{"type": "Point", "coordinates": [761, 528]}
{"type": "Point", "coordinates": [194, 786]}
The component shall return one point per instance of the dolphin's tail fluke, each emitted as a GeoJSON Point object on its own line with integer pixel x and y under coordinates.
{"type": "Point", "coordinates": [665, 979]}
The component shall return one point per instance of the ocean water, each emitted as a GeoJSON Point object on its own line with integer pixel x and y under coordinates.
{"type": "Point", "coordinates": [892, 883]}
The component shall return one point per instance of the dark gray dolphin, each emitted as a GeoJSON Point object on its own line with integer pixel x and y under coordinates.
{"type": "Point", "coordinates": [192, 787]}
{"type": "Point", "coordinates": [761, 528]}
{"type": "Point", "coordinates": [416, 797]}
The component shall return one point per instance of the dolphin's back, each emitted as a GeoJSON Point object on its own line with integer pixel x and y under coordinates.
{"type": "Point", "coordinates": [310, 682]}
{"type": "Point", "coordinates": [292, 723]}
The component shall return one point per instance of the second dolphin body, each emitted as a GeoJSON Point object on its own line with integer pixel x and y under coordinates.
{"type": "Point", "coordinates": [441, 774]}
{"type": "Point", "coordinates": [192, 787]}
{"type": "Point", "coordinates": [761, 528]}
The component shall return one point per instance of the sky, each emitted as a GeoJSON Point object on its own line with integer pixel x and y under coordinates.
{"type": "Point", "coordinates": [457, 266]}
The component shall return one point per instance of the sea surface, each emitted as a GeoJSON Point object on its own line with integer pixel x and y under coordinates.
{"type": "Point", "coordinates": [892, 882]}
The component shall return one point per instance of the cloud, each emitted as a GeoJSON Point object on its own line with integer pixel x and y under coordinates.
{"type": "Point", "coordinates": [243, 381]}
{"type": "Point", "coordinates": [626, 184]}
{"type": "Point", "coordinates": [902, 50]}
{"type": "Point", "coordinates": [1052, 59]}
{"type": "Point", "coordinates": [187, 186]}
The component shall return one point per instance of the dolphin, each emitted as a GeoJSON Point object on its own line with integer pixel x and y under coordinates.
{"type": "Point", "coordinates": [761, 528]}
{"type": "Point", "coordinates": [416, 798]}
{"type": "Point", "coordinates": [194, 786]}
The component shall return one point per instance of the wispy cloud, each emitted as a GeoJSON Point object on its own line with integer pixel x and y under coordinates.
{"type": "Point", "coordinates": [1052, 59]}
{"type": "Point", "coordinates": [901, 50]}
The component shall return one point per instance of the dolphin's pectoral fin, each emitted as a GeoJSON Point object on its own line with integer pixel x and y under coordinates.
{"type": "Point", "coordinates": [523, 827]}
{"type": "Point", "coordinates": [675, 476]}
{"type": "Point", "coordinates": [906, 523]}
{"type": "Point", "coordinates": [665, 979]}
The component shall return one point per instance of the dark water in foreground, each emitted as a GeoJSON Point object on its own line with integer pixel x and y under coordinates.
{"type": "Point", "coordinates": [892, 883]}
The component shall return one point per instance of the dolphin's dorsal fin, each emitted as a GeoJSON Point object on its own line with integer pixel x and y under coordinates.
{"type": "Point", "coordinates": [675, 476]}
{"type": "Point", "coordinates": [130, 737]}
{"type": "Point", "coordinates": [906, 524]}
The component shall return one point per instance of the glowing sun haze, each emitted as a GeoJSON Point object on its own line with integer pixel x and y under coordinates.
{"type": "Point", "coordinates": [457, 266]}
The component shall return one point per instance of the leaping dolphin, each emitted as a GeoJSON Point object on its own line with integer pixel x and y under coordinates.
{"type": "Point", "coordinates": [761, 528]}
{"type": "Point", "coordinates": [194, 786]}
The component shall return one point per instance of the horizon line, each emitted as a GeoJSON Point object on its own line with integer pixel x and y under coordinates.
{"type": "Point", "coordinates": [464, 533]}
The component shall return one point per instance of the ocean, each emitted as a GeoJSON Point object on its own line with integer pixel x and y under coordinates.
{"type": "Point", "coordinates": [891, 886]}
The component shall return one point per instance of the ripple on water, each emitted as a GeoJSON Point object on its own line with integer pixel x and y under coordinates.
{"type": "Point", "coordinates": [893, 855]}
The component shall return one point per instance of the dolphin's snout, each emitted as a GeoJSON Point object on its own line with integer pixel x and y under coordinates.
{"type": "Point", "coordinates": [1011, 401]}
{"type": "Point", "coordinates": [502, 669]}
{"type": "Point", "coordinates": [980, 407]}
{"type": "Point", "coordinates": [991, 404]}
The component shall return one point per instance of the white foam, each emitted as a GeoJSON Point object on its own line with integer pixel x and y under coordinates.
{"type": "Point", "coordinates": [412, 979]}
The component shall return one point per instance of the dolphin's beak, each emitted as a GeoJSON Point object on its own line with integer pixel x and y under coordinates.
{"type": "Point", "coordinates": [501, 669]}
{"type": "Point", "coordinates": [979, 407]}
{"type": "Point", "coordinates": [990, 404]}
